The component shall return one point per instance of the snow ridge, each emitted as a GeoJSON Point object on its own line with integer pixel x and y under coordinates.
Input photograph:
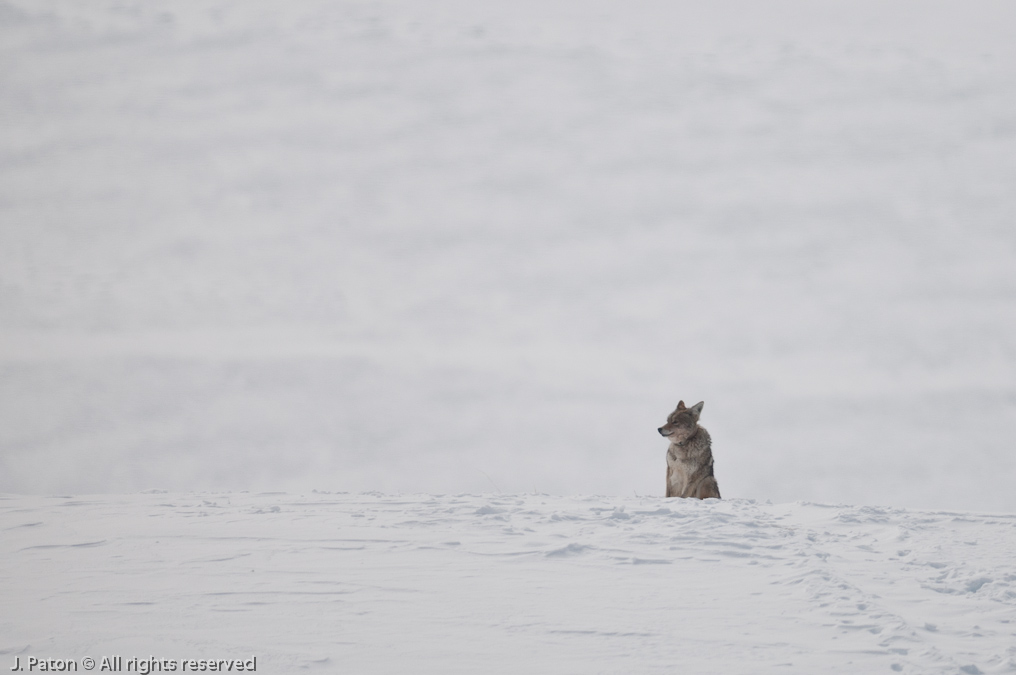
{"type": "Point", "coordinates": [509, 583]}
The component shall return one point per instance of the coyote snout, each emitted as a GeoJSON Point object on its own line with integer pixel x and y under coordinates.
{"type": "Point", "coordinates": [690, 455]}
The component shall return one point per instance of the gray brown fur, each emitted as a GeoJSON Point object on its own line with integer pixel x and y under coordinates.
{"type": "Point", "coordinates": [690, 456]}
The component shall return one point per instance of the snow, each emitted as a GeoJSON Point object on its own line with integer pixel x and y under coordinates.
{"type": "Point", "coordinates": [433, 248]}
{"type": "Point", "coordinates": [446, 245]}
{"type": "Point", "coordinates": [507, 583]}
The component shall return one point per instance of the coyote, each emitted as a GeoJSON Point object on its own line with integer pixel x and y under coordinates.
{"type": "Point", "coordinates": [690, 456]}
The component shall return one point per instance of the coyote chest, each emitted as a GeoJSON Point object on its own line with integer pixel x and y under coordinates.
{"type": "Point", "coordinates": [690, 455]}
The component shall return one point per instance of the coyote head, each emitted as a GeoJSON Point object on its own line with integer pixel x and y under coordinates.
{"type": "Point", "coordinates": [682, 423]}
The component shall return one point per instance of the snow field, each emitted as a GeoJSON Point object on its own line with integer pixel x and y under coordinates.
{"type": "Point", "coordinates": [374, 583]}
{"type": "Point", "coordinates": [397, 244]}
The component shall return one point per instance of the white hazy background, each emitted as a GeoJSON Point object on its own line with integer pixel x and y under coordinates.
{"type": "Point", "coordinates": [443, 246]}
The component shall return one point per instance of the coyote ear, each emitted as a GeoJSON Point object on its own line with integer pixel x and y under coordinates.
{"type": "Point", "coordinates": [698, 407]}
{"type": "Point", "coordinates": [680, 405]}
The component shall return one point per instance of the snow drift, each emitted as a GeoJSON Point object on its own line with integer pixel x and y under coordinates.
{"type": "Point", "coordinates": [374, 583]}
